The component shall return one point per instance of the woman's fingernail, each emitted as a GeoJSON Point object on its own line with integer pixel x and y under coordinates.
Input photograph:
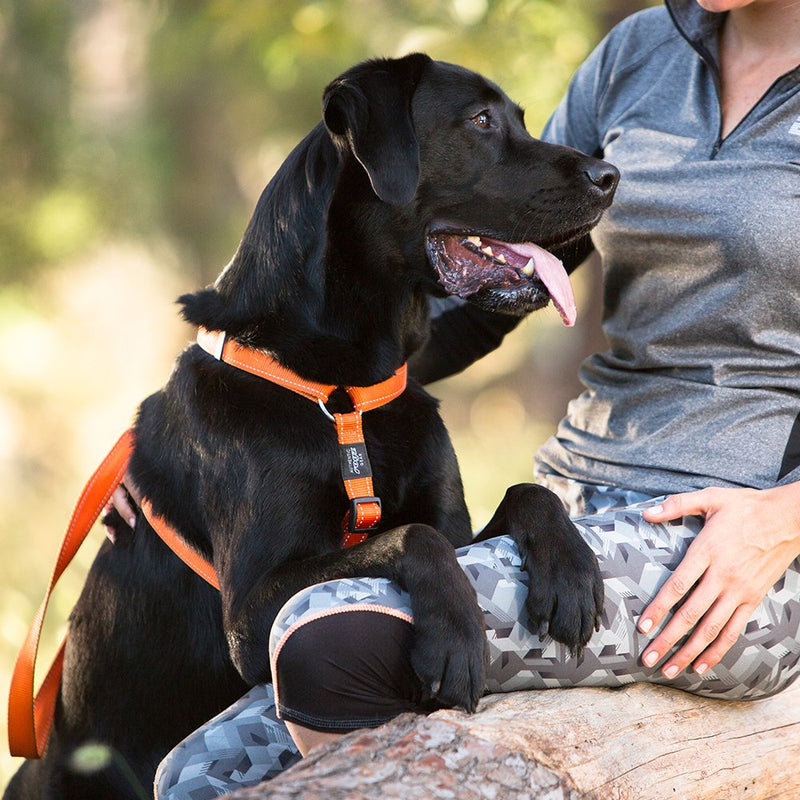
{"type": "Point", "coordinates": [655, 509]}
{"type": "Point", "coordinates": [671, 672]}
{"type": "Point", "coordinates": [645, 625]}
{"type": "Point", "coordinates": [132, 522]}
{"type": "Point", "coordinates": [701, 668]}
{"type": "Point", "coordinates": [650, 658]}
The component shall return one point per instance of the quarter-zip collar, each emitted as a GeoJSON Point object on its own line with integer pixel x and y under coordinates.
{"type": "Point", "coordinates": [700, 28]}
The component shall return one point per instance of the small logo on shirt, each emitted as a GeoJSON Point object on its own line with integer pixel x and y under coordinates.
{"type": "Point", "coordinates": [795, 129]}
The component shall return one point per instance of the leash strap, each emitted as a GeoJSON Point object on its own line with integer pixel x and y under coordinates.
{"type": "Point", "coordinates": [30, 716]}
{"type": "Point", "coordinates": [364, 513]}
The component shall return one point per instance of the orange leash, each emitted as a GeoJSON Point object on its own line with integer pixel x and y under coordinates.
{"type": "Point", "coordinates": [30, 716]}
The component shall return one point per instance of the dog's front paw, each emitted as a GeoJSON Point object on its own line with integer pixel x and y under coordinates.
{"type": "Point", "coordinates": [450, 649]}
{"type": "Point", "coordinates": [565, 592]}
{"type": "Point", "coordinates": [449, 655]}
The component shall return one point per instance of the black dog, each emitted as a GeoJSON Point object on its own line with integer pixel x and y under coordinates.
{"type": "Point", "coordinates": [418, 168]}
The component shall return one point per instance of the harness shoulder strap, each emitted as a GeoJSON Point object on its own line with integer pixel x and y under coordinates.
{"type": "Point", "coordinates": [170, 536]}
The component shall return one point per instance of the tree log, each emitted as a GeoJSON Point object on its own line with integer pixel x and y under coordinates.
{"type": "Point", "coordinates": [641, 742]}
{"type": "Point", "coordinates": [650, 742]}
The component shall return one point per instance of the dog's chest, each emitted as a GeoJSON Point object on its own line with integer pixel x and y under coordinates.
{"type": "Point", "coordinates": [395, 442]}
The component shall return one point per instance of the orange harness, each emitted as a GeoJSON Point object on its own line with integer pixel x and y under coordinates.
{"type": "Point", "coordinates": [30, 716]}
{"type": "Point", "coordinates": [365, 509]}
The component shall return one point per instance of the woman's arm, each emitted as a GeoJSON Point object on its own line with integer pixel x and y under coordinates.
{"type": "Point", "coordinates": [749, 540]}
{"type": "Point", "coordinates": [461, 333]}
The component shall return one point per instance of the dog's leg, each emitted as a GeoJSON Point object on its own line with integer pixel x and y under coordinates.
{"type": "Point", "coordinates": [449, 654]}
{"type": "Point", "coordinates": [450, 649]}
{"type": "Point", "coordinates": [565, 595]}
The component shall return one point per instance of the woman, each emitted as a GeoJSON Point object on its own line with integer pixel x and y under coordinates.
{"type": "Point", "coordinates": [697, 400]}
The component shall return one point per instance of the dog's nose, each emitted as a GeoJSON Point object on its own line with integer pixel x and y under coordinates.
{"type": "Point", "coordinates": [603, 175]}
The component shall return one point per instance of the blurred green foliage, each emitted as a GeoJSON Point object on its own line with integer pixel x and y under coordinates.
{"type": "Point", "coordinates": [124, 118]}
{"type": "Point", "coordinates": [135, 137]}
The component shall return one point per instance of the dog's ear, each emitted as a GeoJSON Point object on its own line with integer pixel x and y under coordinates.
{"type": "Point", "coordinates": [369, 106]}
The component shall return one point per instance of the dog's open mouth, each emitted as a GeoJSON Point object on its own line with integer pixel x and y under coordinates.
{"type": "Point", "coordinates": [515, 278]}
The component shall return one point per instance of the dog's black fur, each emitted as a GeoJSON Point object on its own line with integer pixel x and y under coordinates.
{"type": "Point", "coordinates": [332, 276]}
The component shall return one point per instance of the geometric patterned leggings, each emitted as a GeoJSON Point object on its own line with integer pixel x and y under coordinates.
{"type": "Point", "coordinates": [249, 743]}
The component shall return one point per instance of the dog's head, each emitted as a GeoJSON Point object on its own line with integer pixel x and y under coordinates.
{"type": "Point", "coordinates": [450, 151]}
{"type": "Point", "coordinates": [420, 180]}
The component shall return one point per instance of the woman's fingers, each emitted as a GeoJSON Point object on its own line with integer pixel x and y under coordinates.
{"type": "Point", "coordinates": [676, 587]}
{"type": "Point", "coordinates": [748, 540]}
{"type": "Point", "coordinates": [687, 617]}
{"type": "Point", "coordinates": [122, 504]}
{"type": "Point", "coordinates": [687, 504]}
{"type": "Point", "coordinates": [712, 637]}
{"type": "Point", "coordinates": [726, 639]}
{"type": "Point", "coordinates": [687, 574]}
{"type": "Point", "coordinates": [690, 590]}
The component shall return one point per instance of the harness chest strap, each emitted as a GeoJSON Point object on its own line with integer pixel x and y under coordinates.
{"type": "Point", "coordinates": [365, 508]}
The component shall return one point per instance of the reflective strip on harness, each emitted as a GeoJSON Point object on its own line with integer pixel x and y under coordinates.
{"type": "Point", "coordinates": [364, 513]}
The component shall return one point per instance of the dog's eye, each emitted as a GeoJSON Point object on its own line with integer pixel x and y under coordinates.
{"type": "Point", "coordinates": [483, 120]}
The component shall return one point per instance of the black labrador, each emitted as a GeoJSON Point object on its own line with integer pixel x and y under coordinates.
{"type": "Point", "coordinates": [419, 181]}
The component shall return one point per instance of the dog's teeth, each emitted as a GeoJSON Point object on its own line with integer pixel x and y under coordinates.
{"type": "Point", "coordinates": [476, 240]}
{"type": "Point", "coordinates": [529, 268]}
{"type": "Point", "coordinates": [501, 258]}
{"type": "Point", "coordinates": [487, 250]}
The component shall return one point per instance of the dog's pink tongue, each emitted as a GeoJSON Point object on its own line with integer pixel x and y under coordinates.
{"type": "Point", "coordinates": [552, 274]}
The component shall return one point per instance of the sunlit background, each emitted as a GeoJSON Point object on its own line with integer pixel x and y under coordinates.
{"type": "Point", "coordinates": [135, 138]}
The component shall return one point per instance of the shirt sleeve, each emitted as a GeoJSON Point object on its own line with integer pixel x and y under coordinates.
{"type": "Point", "coordinates": [574, 123]}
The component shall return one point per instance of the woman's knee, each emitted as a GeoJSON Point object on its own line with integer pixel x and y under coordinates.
{"type": "Point", "coordinates": [349, 669]}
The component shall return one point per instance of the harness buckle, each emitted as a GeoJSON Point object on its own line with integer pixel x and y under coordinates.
{"type": "Point", "coordinates": [368, 519]}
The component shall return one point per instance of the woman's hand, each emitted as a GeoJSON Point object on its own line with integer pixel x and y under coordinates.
{"type": "Point", "coordinates": [749, 540]}
{"type": "Point", "coordinates": [121, 503]}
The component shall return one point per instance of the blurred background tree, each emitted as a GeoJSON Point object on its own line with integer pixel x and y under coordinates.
{"type": "Point", "coordinates": [135, 138]}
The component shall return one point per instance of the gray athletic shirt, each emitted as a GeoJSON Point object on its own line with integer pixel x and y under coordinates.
{"type": "Point", "coordinates": [701, 259]}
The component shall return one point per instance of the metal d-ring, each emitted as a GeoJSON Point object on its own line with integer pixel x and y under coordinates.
{"type": "Point", "coordinates": [325, 410]}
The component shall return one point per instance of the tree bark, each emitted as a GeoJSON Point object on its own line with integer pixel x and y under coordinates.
{"type": "Point", "coordinates": [650, 742]}
{"type": "Point", "coordinates": [638, 743]}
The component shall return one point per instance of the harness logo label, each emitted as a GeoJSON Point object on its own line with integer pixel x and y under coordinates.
{"type": "Point", "coordinates": [354, 461]}
{"type": "Point", "coordinates": [795, 129]}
